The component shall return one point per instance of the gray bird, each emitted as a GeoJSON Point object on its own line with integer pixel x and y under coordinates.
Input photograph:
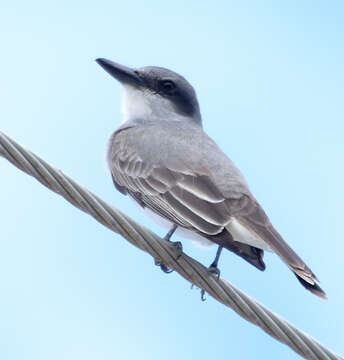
{"type": "Point", "coordinates": [161, 157]}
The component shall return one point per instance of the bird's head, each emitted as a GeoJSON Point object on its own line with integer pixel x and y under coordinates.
{"type": "Point", "coordinates": [154, 93]}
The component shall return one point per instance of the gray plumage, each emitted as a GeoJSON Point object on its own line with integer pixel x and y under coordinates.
{"type": "Point", "coordinates": [162, 158]}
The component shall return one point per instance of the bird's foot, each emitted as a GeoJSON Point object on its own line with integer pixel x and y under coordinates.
{"type": "Point", "coordinates": [203, 298]}
{"type": "Point", "coordinates": [163, 267]}
{"type": "Point", "coordinates": [202, 291]}
{"type": "Point", "coordinates": [178, 250]}
{"type": "Point", "coordinates": [213, 269]}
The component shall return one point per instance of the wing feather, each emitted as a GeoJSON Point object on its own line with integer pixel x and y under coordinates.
{"type": "Point", "coordinates": [194, 220]}
{"type": "Point", "coordinates": [214, 213]}
{"type": "Point", "coordinates": [202, 187]}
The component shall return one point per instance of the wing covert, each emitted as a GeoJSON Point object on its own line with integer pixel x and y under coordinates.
{"type": "Point", "coordinates": [185, 196]}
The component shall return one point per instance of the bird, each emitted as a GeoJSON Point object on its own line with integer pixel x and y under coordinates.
{"type": "Point", "coordinates": [162, 158]}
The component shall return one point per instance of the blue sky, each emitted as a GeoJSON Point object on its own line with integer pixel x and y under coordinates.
{"type": "Point", "coordinates": [269, 77]}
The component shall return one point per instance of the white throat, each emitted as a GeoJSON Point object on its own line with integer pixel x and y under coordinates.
{"type": "Point", "coordinates": [134, 104]}
{"type": "Point", "coordinates": [145, 105]}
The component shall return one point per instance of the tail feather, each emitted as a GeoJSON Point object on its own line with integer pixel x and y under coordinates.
{"type": "Point", "coordinates": [275, 241]}
{"type": "Point", "coordinates": [313, 288]}
{"type": "Point", "coordinates": [302, 272]}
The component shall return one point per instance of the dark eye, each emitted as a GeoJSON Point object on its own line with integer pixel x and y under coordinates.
{"type": "Point", "coordinates": [167, 86]}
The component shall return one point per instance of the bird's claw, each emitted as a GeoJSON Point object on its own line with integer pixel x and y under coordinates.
{"type": "Point", "coordinates": [213, 269]}
{"type": "Point", "coordinates": [202, 292]}
{"type": "Point", "coordinates": [178, 247]}
{"type": "Point", "coordinates": [163, 267]}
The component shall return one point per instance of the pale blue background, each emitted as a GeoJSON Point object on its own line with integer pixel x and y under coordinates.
{"type": "Point", "coordinates": [269, 77]}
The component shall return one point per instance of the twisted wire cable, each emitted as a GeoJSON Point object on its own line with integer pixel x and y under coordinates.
{"type": "Point", "coordinates": [164, 252]}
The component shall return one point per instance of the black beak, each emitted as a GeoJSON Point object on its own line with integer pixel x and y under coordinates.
{"type": "Point", "coordinates": [123, 74]}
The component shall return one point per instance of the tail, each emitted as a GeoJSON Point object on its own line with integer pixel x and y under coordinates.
{"type": "Point", "coordinates": [275, 241]}
{"type": "Point", "coordinates": [313, 288]}
{"type": "Point", "coordinates": [302, 272]}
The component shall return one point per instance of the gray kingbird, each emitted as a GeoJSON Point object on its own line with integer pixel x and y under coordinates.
{"type": "Point", "coordinates": [161, 157]}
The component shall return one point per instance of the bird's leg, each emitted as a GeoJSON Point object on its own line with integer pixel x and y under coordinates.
{"type": "Point", "coordinates": [213, 268]}
{"type": "Point", "coordinates": [177, 244]}
{"type": "Point", "coordinates": [171, 232]}
{"type": "Point", "coordinates": [178, 248]}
